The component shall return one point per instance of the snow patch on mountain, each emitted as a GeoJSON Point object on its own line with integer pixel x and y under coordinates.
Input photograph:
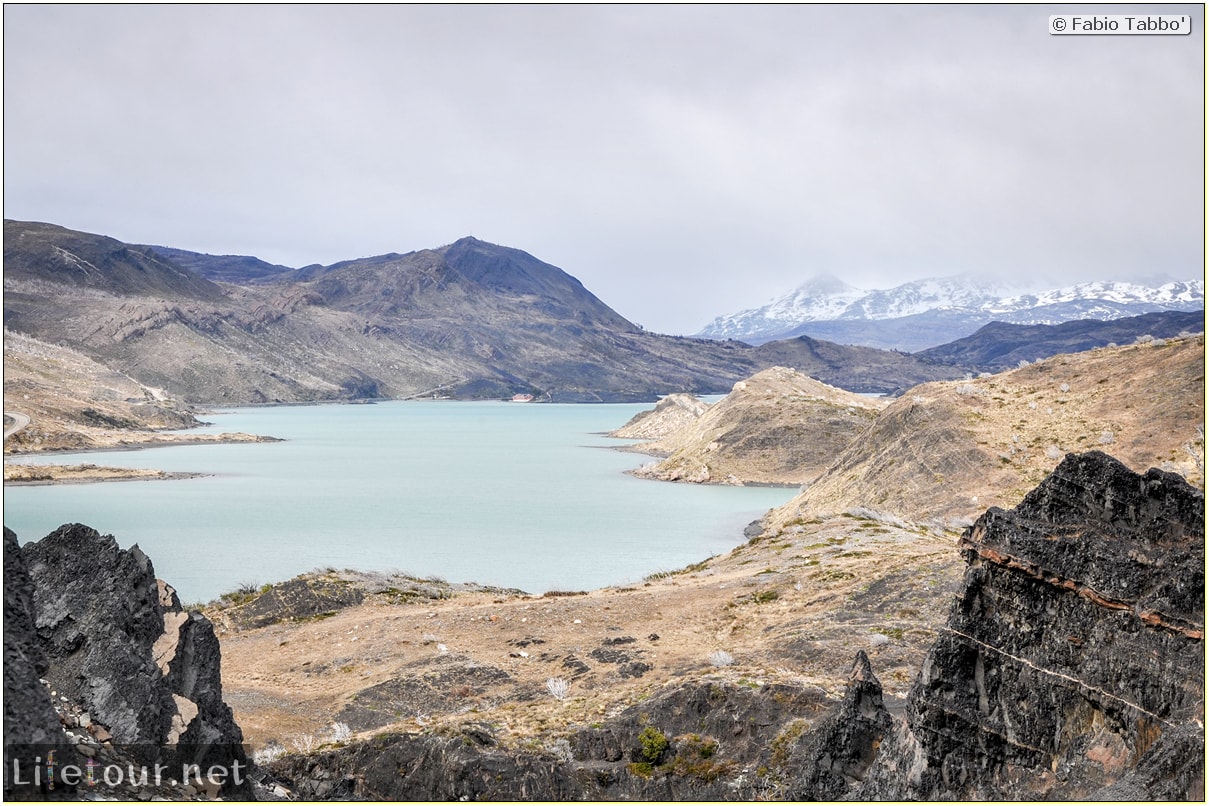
{"type": "Point", "coordinates": [826, 298]}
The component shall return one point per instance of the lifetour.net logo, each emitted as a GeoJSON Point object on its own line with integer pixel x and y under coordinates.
{"type": "Point", "coordinates": [46, 769]}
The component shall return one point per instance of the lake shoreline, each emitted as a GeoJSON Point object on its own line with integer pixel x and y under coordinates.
{"type": "Point", "coordinates": [69, 474]}
{"type": "Point", "coordinates": [486, 491]}
{"type": "Point", "coordinates": [91, 474]}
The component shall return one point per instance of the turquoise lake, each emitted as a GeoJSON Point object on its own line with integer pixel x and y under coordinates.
{"type": "Point", "coordinates": [527, 496]}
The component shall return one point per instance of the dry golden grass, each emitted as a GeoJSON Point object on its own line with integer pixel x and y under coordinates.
{"type": "Point", "coordinates": [949, 450]}
{"type": "Point", "coordinates": [796, 609]}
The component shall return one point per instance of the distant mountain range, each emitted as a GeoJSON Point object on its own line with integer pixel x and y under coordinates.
{"type": "Point", "coordinates": [926, 313]}
{"type": "Point", "coordinates": [466, 320]}
{"type": "Point", "coordinates": [1001, 345]}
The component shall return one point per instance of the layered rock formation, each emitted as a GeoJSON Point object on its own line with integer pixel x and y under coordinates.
{"type": "Point", "coordinates": [1072, 666]}
{"type": "Point", "coordinates": [117, 644]}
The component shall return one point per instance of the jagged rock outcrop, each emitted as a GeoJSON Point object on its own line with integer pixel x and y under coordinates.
{"type": "Point", "coordinates": [1072, 666]}
{"type": "Point", "coordinates": [118, 643]}
{"type": "Point", "coordinates": [300, 598]}
{"type": "Point", "coordinates": [834, 757]}
{"type": "Point", "coordinates": [29, 716]}
{"type": "Point", "coordinates": [707, 740]}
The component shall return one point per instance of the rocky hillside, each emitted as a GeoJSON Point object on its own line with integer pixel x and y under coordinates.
{"type": "Point", "coordinates": [670, 414]}
{"type": "Point", "coordinates": [999, 345]}
{"type": "Point", "coordinates": [469, 320]}
{"type": "Point", "coordinates": [57, 399]}
{"type": "Point", "coordinates": [728, 660]}
{"type": "Point", "coordinates": [949, 450]}
{"type": "Point", "coordinates": [777, 427]}
{"type": "Point", "coordinates": [75, 400]}
{"type": "Point", "coordinates": [235, 269]}
{"type": "Point", "coordinates": [102, 662]}
{"type": "Point", "coordinates": [101, 265]}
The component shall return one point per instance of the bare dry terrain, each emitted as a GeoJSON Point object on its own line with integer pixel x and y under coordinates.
{"type": "Point", "coordinates": [776, 427]}
{"type": "Point", "coordinates": [949, 450]}
{"type": "Point", "coordinates": [796, 609]}
{"type": "Point", "coordinates": [75, 404]}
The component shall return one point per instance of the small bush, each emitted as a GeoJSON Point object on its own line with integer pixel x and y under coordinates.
{"type": "Point", "coordinates": [642, 768]}
{"type": "Point", "coordinates": [695, 758]}
{"type": "Point", "coordinates": [558, 688]}
{"type": "Point", "coordinates": [243, 593]}
{"type": "Point", "coordinates": [269, 753]}
{"type": "Point", "coordinates": [304, 742]}
{"type": "Point", "coordinates": [720, 657]}
{"type": "Point", "coordinates": [654, 745]}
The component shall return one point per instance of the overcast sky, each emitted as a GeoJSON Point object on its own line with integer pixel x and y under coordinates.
{"type": "Point", "coordinates": [681, 161]}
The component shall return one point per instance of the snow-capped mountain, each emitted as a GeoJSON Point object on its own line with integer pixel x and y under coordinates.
{"type": "Point", "coordinates": [962, 292]}
{"type": "Point", "coordinates": [1168, 296]}
{"type": "Point", "coordinates": [925, 313]}
{"type": "Point", "coordinates": [823, 297]}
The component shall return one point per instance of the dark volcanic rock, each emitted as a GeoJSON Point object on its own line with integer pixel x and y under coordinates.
{"type": "Point", "coordinates": [98, 616]}
{"type": "Point", "coordinates": [118, 642]}
{"type": "Point", "coordinates": [835, 756]}
{"type": "Point", "coordinates": [400, 767]}
{"type": "Point", "coordinates": [1073, 661]}
{"type": "Point", "coordinates": [29, 715]}
{"type": "Point", "coordinates": [301, 598]}
{"type": "Point", "coordinates": [699, 741]}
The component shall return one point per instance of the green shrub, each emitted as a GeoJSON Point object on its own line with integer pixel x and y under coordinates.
{"type": "Point", "coordinates": [654, 745]}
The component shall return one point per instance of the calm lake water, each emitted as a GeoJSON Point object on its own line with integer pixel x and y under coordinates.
{"type": "Point", "coordinates": [517, 495]}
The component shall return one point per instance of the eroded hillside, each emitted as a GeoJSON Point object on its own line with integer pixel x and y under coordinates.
{"type": "Point", "coordinates": [950, 450]}
{"type": "Point", "coordinates": [62, 400]}
{"type": "Point", "coordinates": [777, 427]}
{"type": "Point", "coordinates": [670, 414]}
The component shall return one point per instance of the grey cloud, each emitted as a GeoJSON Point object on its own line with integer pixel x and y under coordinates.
{"type": "Point", "coordinates": [682, 161]}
